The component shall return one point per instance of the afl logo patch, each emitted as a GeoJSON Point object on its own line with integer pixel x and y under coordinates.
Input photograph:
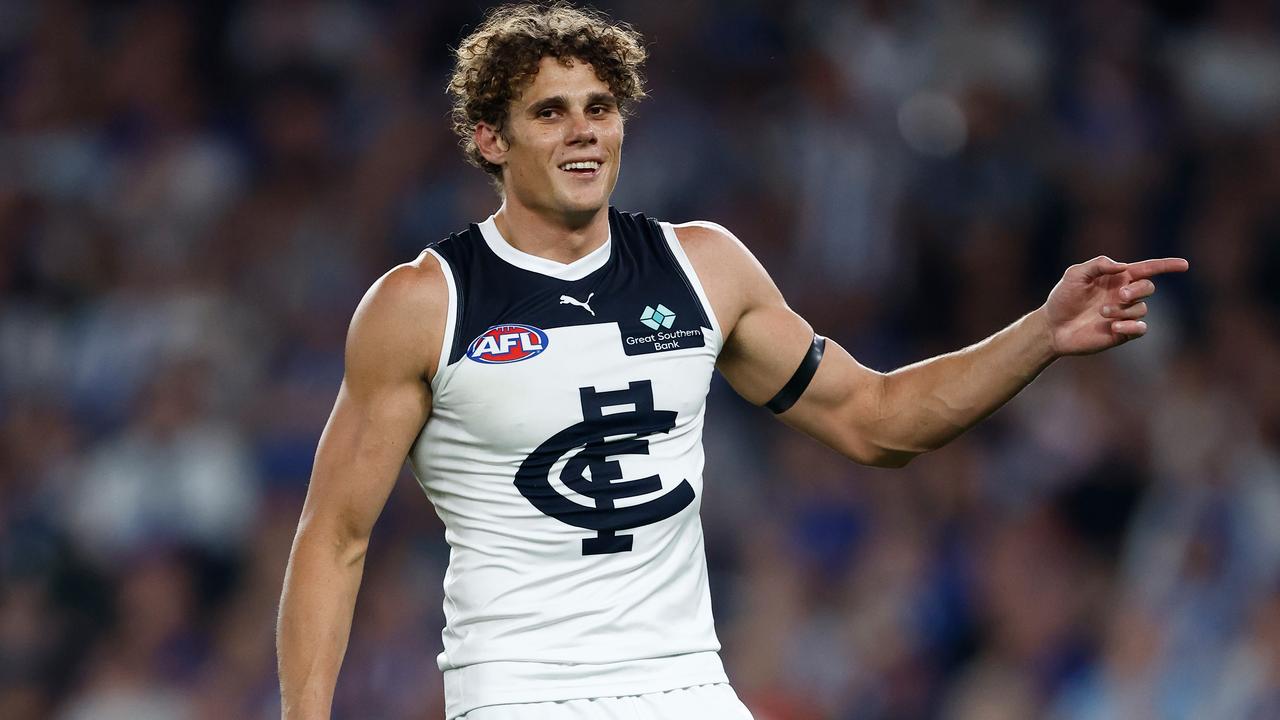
{"type": "Point", "coordinates": [507, 344]}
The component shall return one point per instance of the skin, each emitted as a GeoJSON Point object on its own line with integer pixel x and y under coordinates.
{"type": "Point", "coordinates": [566, 114]}
{"type": "Point", "coordinates": [882, 419]}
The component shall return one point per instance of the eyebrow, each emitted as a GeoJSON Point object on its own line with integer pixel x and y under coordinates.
{"type": "Point", "coordinates": [595, 98]}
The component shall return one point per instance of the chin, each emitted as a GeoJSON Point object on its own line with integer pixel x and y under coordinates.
{"type": "Point", "coordinates": [584, 206]}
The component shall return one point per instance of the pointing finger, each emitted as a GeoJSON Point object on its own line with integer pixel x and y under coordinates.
{"type": "Point", "coordinates": [1151, 268]}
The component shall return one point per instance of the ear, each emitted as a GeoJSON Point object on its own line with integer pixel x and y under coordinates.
{"type": "Point", "coordinates": [491, 144]}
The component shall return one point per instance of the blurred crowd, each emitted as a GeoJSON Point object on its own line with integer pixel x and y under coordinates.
{"type": "Point", "coordinates": [194, 196]}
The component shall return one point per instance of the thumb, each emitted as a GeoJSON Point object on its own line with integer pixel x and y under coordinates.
{"type": "Point", "coordinates": [1099, 266]}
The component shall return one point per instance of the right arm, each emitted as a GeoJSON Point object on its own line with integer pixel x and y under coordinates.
{"type": "Point", "coordinates": [384, 400]}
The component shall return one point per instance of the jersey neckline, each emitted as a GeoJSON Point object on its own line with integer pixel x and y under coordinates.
{"type": "Point", "coordinates": [575, 270]}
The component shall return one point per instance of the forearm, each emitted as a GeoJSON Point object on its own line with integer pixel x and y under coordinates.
{"type": "Point", "coordinates": [926, 405]}
{"type": "Point", "coordinates": [316, 606]}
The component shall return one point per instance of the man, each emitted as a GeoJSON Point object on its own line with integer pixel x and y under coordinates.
{"type": "Point", "coordinates": [546, 372]}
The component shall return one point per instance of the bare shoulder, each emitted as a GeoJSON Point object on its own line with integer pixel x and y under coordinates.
{"type": "Point", "coordinates": [708, 241]}
{"type": "Point", "coordinates": [731, 275]}
{"type": "Point", "coordinates": [417, 285]}
{"type": "Point", "coordinates": [399, 324]}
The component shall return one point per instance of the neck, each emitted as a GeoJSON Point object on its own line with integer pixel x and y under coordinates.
{"type": "Point", "coordinates": [559, 239]}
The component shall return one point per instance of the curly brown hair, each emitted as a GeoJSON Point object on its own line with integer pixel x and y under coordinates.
{"type": "Point", "coordinates": [500, 59]}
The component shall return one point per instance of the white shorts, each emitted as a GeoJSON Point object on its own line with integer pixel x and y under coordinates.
{"type": "Point", "coordinates": [703, 702]}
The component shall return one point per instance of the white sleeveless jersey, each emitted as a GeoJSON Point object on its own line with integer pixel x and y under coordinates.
{"type": "Point", "coordinates": [564, 455]}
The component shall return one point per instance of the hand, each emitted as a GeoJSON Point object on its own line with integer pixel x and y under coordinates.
{"type": "Point", "coordinates": [1099, 304]}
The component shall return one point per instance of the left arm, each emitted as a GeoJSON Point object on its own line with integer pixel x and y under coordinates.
{"type": "Point", "coordinates": [1095, 306]}
{"type": "Point", "coordinates": [885, 419]}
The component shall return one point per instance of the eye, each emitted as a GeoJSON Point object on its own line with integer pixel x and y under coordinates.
{"type": "Point", "coordinates": [547, 113]}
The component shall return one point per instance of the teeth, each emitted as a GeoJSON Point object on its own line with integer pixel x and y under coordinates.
{"type": "Point", "coordinates": [584, 165]}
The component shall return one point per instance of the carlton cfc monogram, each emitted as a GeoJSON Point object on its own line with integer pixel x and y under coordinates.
{"type": "Point", "coordinates": [605, 484]}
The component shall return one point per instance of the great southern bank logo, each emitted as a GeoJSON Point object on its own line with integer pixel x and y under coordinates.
{"type": "Point", "coordinates": [656, 319]}
{"type": "Point", "coordinates": [507, 344]}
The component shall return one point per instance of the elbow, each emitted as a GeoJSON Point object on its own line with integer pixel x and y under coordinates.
{"type": "Point", "coordinates": [878, 454]}
{"type": "Point", "coordinates": [348, 550]}
{"type": "Point", "coordinates": [885, 458]}
{"type": "Point", "coordinates": [338, 544]}
{"type": "Point", "coordinates": [864, 427]}
{"type": "Point", "coordinates": [894, 459]}
{"type": "Point", "coordinates": [890, 440]}
{"type": "Point", "coordinates": [877, 451]}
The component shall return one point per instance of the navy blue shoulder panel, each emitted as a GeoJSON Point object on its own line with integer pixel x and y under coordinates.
{"type": "Point", "coordinates": [459, 250]}
{"type": "Point", "coordinates": [641, 273]}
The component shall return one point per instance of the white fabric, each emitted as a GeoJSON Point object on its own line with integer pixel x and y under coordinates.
{"type": "Point", "coordinates": [529, 617]}
{"type": "Point", "coordinates": [703, 702]}
{"type": "Point", "coordinates": [575, 270]}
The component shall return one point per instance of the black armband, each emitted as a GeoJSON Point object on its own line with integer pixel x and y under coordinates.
{"type": "Point", "coordinates": [795, 387]}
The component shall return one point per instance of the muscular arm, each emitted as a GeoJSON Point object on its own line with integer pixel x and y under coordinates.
{"type": "Point", "coordinates": [382, 404]}
{"type": "Point", "coordinates": [886, 419]}
{"type": "Point", "coordinates": [925, 405]}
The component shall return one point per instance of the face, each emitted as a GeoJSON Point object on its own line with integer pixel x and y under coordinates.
{"type": "Point", "coordinates": [562, 143]}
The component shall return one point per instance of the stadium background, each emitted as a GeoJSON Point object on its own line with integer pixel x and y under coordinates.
{"type": "Point", "coordinates": [194, 197]}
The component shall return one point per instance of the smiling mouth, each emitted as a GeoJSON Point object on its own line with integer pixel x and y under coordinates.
{"type": "Point", "coordinates": [582, 168]}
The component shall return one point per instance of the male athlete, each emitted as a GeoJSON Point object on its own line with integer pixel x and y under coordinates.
{"type": "Point", "coordinates": [546, 371]}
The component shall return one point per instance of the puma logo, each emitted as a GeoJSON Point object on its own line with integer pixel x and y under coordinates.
{"type": "Point", "coordinates": [585, 304]}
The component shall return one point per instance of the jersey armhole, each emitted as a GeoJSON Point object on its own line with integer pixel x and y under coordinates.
{"type": "Point", "coordinates": [673, 241]}
{"type": "Point", "coordinates": [450, 323]}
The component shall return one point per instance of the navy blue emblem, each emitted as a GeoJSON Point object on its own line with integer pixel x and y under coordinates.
{"type": "Point", "coordinates": [605, 484]}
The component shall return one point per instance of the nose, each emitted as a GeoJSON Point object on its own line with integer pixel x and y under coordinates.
{"type": "Point", "coordinates": [580, 131]}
